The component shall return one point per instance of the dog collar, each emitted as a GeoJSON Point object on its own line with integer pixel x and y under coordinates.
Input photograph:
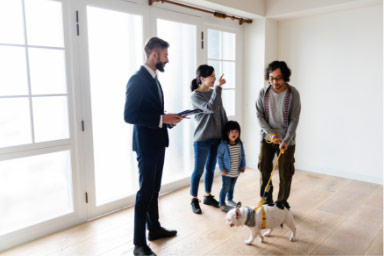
{"type": "Point", "coordinates": [264, 220]}
{"type": "Point", "coordinates": [251, 221]}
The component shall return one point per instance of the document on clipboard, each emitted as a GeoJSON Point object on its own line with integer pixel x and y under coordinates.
{"type": "Point", "coordinates": [190, 112]}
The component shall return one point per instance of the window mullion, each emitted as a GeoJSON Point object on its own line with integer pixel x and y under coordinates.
{"type": "Point", "coordinates": [28, 73]}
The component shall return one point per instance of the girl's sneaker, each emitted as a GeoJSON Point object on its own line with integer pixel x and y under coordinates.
{"type": "Point", "coordinates": [231, 203]}
{"type": "Point", "coordinates": [226, 208]}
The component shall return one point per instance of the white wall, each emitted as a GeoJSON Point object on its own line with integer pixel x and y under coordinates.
{"type": "Point", "coordinates": [260, 44]}
{"type": "Point", "coordinates": [253, 65]}
{"type": "Point", "coordinates": [337, 64]}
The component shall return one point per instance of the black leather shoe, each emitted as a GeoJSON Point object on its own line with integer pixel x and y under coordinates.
{"type": "Point", "coordinates": [280, 205]}
{"type": "Point", "coordinates": [143, 251]}
{"type": "Point", "coordinates": [269, 202]}
{"type": "Point", "coordinates": [283, 204]}
{"type": "Point", "coordinates": [195, 206]}
{"type": "Point", "coordinates": [160, 233]}
{"type": "Point", "coordinates": [286, 204]}
{"type": "Point", "coordinates": [210, 200]}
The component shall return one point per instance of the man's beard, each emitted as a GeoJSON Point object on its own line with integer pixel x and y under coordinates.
{"type": "Point", "coordinates": [160, 66]}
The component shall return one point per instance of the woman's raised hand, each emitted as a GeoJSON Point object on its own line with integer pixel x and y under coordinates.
{"type": "Point", "coordinates": [221, 80]}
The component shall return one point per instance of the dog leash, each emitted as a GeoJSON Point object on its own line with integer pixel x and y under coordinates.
{"type": "Point", "coordinates": [267, 187]}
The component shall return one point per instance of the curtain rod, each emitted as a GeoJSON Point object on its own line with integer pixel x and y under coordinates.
{"type": "Point", "coordinates": [219, 15]}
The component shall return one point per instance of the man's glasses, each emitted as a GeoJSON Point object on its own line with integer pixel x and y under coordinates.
{"type": "Point", "coordinates": [277, 79]}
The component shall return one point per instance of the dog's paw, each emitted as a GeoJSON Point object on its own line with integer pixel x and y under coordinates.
{"type": "Point", "coordinates": [292, 238]}
{"type": "Point", "coordinates": [267, 234]}
{"type": "Point", "coordinates": [248, 242]}
{"type": "Point", "coordinates": [261, 239]}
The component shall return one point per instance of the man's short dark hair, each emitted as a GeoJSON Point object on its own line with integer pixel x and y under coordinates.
{"type": "Point", "coordinates": [285, 71]}
{"type": "Point", "coordinates": [154, 43]}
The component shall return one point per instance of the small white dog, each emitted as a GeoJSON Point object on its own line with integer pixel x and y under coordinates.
{"type": "Point", "coordinates": [274, 217]}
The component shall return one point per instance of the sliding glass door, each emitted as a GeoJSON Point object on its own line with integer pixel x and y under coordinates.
{"type": "Point", "coordinates": [114, 41]}
{"type": "Point", "coordinates": [176, 81]}
{"type": "Point", "coordinates": [113, 56]}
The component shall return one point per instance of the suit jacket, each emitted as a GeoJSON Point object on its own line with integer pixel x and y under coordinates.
{"type": "Point", "coordinates": [143, 108]}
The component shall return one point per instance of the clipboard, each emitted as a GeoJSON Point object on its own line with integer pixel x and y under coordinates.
{"type": "Point", "coordinates": [189, 112]}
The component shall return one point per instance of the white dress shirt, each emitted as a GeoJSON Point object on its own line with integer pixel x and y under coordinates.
{"type": "Point", "coordinates": [154, 75]}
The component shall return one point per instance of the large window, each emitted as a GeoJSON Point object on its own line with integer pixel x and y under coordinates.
{"type": "Point", "coordinates": [222, 56]}
{"type": "Point", "coordinates": [33, 73]}
{"type": "Point", "coordinates": [35, 146]}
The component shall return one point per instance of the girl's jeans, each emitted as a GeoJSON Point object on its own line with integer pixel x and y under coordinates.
{"type": "Point", "coordinates": [227, 189]}
{"type": "Point", "coordinates": [205, 154]}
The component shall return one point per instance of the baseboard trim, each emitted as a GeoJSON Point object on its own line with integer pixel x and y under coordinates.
{"type": "Point", "coordinates": [348, 175]}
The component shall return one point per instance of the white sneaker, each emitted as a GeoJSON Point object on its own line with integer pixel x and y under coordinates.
{"type": "Point", "coordinates": [231, 203]}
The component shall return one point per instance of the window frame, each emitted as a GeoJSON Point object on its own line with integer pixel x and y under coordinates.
{"type": "Point", "coordinates": [238, 66]}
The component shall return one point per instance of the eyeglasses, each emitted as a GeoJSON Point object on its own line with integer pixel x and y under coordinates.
{"type": "Point", "coordinates": [271, 78]}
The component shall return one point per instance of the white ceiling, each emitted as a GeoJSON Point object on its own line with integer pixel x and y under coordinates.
{"type": "Point", "coordinates": [278, 9]}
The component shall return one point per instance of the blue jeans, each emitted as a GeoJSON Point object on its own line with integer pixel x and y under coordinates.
{"type": "Point", "coordinates": [205, 154]}
{"type": "Point", "coordinates": [227, 189]}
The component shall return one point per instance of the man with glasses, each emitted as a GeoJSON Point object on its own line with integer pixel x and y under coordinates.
{"type": "Point", "coordinates": [278, 110]}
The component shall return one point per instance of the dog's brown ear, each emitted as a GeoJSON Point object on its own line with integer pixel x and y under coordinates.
{"type": "Point", "coordinates": [238, 205]}
{"type": "Point", "coordinates": [237, 211]}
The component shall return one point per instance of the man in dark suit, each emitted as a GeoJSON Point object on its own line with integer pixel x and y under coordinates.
{"type": "Point", "coordinates": [144, 108]}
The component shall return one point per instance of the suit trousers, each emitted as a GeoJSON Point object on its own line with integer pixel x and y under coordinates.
{"type": "Point", "coordinates": [146, 207]}
{"type": "Point", "coordinates": [285, 165]}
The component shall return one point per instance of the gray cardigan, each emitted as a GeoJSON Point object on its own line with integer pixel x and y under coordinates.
{"type": "Point", "coordinates": [210, 122]}
{"type": "Point", "coordinates": [293, 115]}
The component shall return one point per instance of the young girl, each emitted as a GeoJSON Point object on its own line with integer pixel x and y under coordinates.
{"type": "Point", "coordinates": [209, 124]}
{"type": "Point", "coordinates": [231, 159]}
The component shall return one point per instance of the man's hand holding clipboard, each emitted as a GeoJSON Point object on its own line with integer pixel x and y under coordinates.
{"type": "Point", "coordinates": [184, 114]}
{"type": "Point", "coordinates": [190, 112]}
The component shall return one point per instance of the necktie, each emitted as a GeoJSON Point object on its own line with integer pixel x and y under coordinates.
{"type": "Point", "coordinates": [159, 90]}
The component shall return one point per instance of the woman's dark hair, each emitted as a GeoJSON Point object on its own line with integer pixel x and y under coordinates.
{"type": "Point", "coordinates": [229, 126]}
{"type": "Point", "coordinates": [285, 71]}
{"type": "Point", "coordinates": [201, 71]}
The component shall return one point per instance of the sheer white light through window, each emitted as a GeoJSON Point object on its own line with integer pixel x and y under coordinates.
{"type": "Point", "coordinates": [115, 53]}
{"type": "Point", "coordinates": [175, 82]}
{"type": "Point", "coordinates": [34, 189]}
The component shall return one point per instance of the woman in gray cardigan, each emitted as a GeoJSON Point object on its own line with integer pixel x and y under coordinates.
{"type": "Point", "coordinates": [209, 124]}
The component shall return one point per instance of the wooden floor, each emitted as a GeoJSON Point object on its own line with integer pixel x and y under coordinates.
{"type": "Point", "coordinates": [334, 216]}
